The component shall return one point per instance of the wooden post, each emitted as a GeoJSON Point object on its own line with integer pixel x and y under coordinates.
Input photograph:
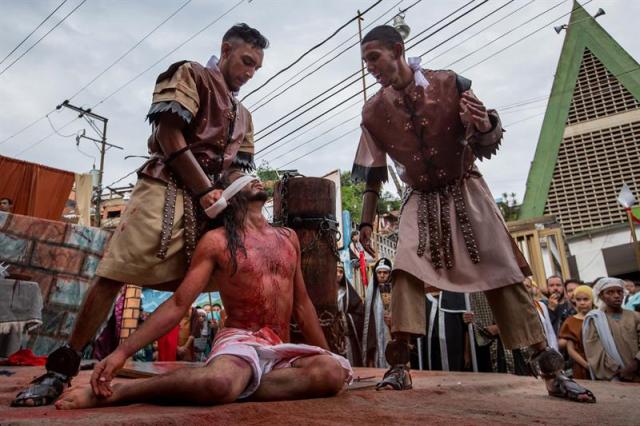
{"type": "Point", "coordinates": [308, 201]}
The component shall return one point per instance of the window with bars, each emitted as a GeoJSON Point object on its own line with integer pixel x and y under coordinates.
{"type": "Point", "coordinates": [598, 93]}
{"type": "Point", "coordinates": [589, 172]}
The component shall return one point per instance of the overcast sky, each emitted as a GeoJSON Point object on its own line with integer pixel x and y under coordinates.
{"type": "Point", "coordinates": [99, 32]}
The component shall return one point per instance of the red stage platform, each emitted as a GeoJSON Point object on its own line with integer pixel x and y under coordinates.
{"type": "Point", "coordinates": [437, 398]}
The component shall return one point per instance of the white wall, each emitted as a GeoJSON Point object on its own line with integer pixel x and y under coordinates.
{"type": "Point", "coordinates": [588, 252]}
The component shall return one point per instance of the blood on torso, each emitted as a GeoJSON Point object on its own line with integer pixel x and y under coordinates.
{"type": "Point", "coordinates": [260, 293]}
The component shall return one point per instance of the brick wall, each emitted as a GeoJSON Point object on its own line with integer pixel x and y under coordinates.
{"type": "Point", "coordinates": [62, 259]}
{"type": "Point", "coordinates": [131, 312]}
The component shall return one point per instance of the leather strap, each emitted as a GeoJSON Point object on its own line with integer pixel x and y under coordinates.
{"type": "Point", "coordinates": [185, 166]}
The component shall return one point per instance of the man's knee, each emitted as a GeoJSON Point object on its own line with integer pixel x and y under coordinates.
{"type": "Point", "coordinates": [213, 388]}
{"type": "Point", "coordinates": [327, 374]}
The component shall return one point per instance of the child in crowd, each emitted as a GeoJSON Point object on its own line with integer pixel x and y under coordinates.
{"type": "Point", "coordinates": [571, 331]}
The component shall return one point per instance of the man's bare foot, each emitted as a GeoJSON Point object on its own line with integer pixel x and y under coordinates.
{"type": "Point", "coordinates": [78, 397]}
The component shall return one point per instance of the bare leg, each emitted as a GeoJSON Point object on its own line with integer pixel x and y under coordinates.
{"type": "Point", "coordinates": [220, 382]}
{"type": "Point", "coordinates": [311, 377]}
{"type": "Point", "coordinates": [63, 363]}
{"type": "Point", "coordinates": [95, 308]}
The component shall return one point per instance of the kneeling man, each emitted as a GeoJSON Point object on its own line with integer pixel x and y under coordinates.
{"type": "Point", "coordinates": [261, 285]}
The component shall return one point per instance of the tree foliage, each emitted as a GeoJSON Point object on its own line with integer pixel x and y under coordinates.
{"type": "Point", "coordinates": [509, 206]}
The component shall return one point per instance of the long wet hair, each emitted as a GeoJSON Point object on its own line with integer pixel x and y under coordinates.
{"type": "Point", "coordinates": [232, 219]}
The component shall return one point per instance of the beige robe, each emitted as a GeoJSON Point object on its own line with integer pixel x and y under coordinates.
{"type": "Point", "coordinates": [626, 334]}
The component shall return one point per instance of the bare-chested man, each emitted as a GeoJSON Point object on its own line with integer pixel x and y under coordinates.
{"type": "Point", "coordinates": [261, 285]}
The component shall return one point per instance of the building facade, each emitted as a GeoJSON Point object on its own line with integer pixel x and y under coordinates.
{"type": "Point", "coordinates": [589, 146]}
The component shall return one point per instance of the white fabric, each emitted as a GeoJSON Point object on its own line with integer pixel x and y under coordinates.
{"type": "Point", "coordinates": [418, 77]}
{"type": "Point", "coordinates": [602, 285]}
{"type": "Point", "coordinates": [212, 64]}
{"type": "Point", "coordinates": [235, 187]}
{"type": "Point", "coordinates": [373, 302]}
{"type": "Point", "coordinates": [383, 267]}
{"type": "Point", "coordinates": [543, 313]}
{"type": "Point", "coordinates": [599, 319]}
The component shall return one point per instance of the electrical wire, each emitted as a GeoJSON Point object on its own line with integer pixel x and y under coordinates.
{"type": "Point", "coordinates": [316, 137]}
{"type": "Point", "coordinates": [34, 30]}
{"type": "Point", "coordinates": [546, 25]}
{"type": "Point", "coordinates": [210, 24]}
{"type": "Point", "coordinates": [356, 80]}
{"type": "Point", "coordinates": [251, 107]}
{"type": "Point", "coordinates": [507, 33]}
{"type": "Point", "coordinates": [343, 26]}
{"type": "Point", "coordinates": [42, 38]}
{"type": "Point", "coordinates": [36, 121]}
{"type": "Point", "coordinates": [121, 57]}
{"type": "Point", "coordinates": [357, 102]}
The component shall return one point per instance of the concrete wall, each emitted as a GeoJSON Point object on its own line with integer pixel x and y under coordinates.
{"type": "Point", "coordinates": [62, 259]}
{"type": "Point", "coordinates": [588, 251]}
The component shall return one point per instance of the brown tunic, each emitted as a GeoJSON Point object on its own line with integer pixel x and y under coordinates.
{"type": "Point", "coordinates": [572, 330]}
{"type": "Point", "coordinates": [201, 97]}
{"type": "Point", "coordinates": [452, 235]}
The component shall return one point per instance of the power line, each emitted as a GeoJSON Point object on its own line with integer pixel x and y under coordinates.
{"type": "Point", "coordinates": [320, 147]}
{"type": "Point", "coordinates": [138, 43]}
{"type": "Point", "coordinates": [34, 30]}
{"type": "Point", "coordinates": [316, 137]}
{"type": "Point", "coordinates": [117, 90]}
{"type": "Point", "coordinates": [507, 33]}
{"type": "Point", "coordinates": [524, 37]}
{"type": "Point", "coordinates": [513, 123]}
{"type": "Point", "coordinates": [356, 80]}
{"type": "Point", "coordinates": [324, 63]}
{"type": "Point", "coordinates": [36, 121]}
{"type": "Point", "coordinates": [168, 54]}
{"type": "Point", "coordinates": [343, 26]}
{"type": "Point", "coordinates": [357, 102]}
{"type": "Point", "coordinates": [42, 38]}
{"type": "Point", "coordinates": [483, 29]}
{"type": "Point", "coordinates": [39, 141]}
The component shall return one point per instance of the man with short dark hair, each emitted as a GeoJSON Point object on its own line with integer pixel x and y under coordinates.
{"type": "Point", "coordinates": [451, 233]}
{"type": "Point", "coordinates": [559, 305]}
{"type": "Point", "coordinates": [6, 205]}
{"type": "Point", "coordinates": [261, 285]}
{"type": "Point", "coordinates": [199, 131]}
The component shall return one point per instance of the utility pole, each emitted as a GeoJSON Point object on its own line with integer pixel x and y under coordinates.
{"type": "Point", "coordinates": [88, 115]}
{"type": "Point", "coordinates": [364, 83]}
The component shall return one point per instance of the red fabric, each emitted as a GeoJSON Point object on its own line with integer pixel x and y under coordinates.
{"type": "Point", "coordinates": [24, 357]}
{"type": "Point", "coordinates": [363, 269]}
{"type": "Point", "coordinates": [168, 345]}
{"type": "Point", "coordinates": [633, 217]}
{"type": "Point", "coordinates": [36, 190]}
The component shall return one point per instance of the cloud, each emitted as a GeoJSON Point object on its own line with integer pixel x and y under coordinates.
{"type": "Point", "coordinates": [100, 31]}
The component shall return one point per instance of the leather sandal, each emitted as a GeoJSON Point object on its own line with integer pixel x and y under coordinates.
{"type": "Point", "coordinates": [397, 377]}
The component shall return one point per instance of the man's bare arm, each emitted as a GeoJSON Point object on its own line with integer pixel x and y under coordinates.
{"type": "Point", "coordinates": [166, 317]}
{"type": "Point", "coordinates": [369, 206]}
{"type": "Point", "coordinates": [303, 310]}
{"type": "Point", "coordinates": [172, 310]}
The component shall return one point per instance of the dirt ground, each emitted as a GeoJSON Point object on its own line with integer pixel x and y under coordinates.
{"type": "Point", "coordinates": [437, 398]}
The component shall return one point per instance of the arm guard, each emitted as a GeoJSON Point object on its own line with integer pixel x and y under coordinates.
{"type": "Point", "coordinates": [184, 164]}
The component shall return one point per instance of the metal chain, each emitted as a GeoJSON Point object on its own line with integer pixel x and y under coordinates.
{"type": "Point", "coordinates": [325, 230]}
{"type": "Point", "coordinates": [333, 327]}
{"type": "Point", "coordinates": [284, 195]}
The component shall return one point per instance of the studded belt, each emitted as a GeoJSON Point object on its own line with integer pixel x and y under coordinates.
{"type": "Point", "coordinates": [434, 227]}
{"type": "Point", "coordinates": [168, 216]}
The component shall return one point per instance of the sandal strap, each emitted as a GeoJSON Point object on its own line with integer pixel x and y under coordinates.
{"type": "Point", "coordinates": [46, 389]}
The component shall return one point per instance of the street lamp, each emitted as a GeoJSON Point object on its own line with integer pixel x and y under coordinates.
{"type": "Point", "coordinates": [401, 26]}
{"type": "Point", "coordinates": [558, 28]}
